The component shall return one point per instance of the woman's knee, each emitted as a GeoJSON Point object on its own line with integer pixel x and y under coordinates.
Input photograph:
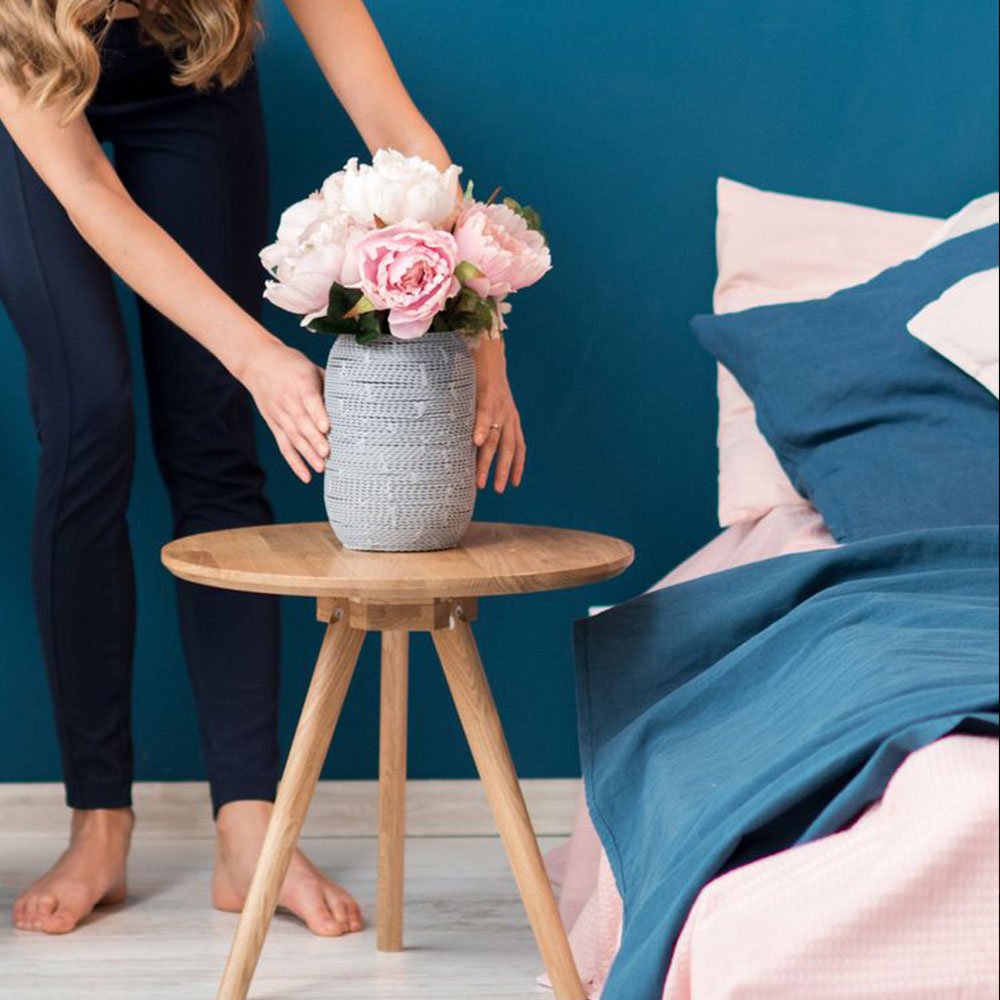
{"type": "Point", "coordinates": [88, 438]}
{"type": "Point", "coordinates": [217, 488]}
{"type": "Point", "coordinates": [209, 463]}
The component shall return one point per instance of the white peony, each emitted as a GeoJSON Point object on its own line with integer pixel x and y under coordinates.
{"type": "Point", "coordinates": [332, 193]}
{"type": "Point", "coordinates": [396, 188]}
{"type": "Point", "coordinates": [341, 233]}
{"type": "Point", "coordinates": [324, 253]}
{"type": "Point", "coordinates": [294, 221]}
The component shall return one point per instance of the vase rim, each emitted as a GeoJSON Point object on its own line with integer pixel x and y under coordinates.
{"type": "Point", "coordinates": [388, 338]}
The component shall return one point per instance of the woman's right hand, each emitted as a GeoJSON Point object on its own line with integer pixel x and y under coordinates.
{"type": "Point", "coordinates": [288, 390]}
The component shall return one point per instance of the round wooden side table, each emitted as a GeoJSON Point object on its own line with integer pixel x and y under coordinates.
{"type": "Point", "coordinates": [395, 594]}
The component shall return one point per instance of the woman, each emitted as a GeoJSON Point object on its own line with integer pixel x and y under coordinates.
{"type": "Point", "coordinates": [180, 218]}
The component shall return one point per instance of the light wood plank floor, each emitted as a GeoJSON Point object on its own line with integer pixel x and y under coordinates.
{"type": "Point", "coordinates": [466, 933]}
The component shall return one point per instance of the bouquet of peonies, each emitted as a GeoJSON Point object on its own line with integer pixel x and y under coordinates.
{"type": "Point", "coordinates": [391, 248]}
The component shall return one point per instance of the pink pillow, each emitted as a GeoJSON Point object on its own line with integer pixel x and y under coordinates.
{"type": "Point", "coordinates": [781, 248]}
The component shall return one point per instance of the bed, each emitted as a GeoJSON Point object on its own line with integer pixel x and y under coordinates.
{"type": "Point", "coordinates": [844, 843]}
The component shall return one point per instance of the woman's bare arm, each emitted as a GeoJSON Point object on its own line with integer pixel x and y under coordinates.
{"type": "Point", "coordinates": [285, 385]}
{"type": "Point", "coordinates": [350, 52]}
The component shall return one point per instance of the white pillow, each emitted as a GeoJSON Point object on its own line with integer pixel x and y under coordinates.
{"type": "Point", "coordinates": [775, 248]}
{"type": "Point", "coordinates": [963, 324]}
{"type": "Point", "coordinates": [979, 213]}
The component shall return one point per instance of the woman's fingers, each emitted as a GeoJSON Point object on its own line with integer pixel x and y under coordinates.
{"type": "Point", "coordinates": [317, 412]}
{"type": "Point", "coordinates": [307, 439]}
{"type": "Point", "coordinates": [498, 435]}
{"type": "Point", "coordinates": [301, 430]}
{"type": "Point", "coordinates": [288, 390]}
{"type": "Point", "coordinates": [481, 433]}
{"type": "Point", "coordinates": [290, 455]}
{"type": "Point", "coordinates": [309, 415]}
{"type": "Point", "coordinates": [505, 456]}
{"type": "Point", "coordinates": [487, 450]}
{"type": "Point", "coordinates": [306, 449]}
{"type": "Point", "coordinates": [520, 457]}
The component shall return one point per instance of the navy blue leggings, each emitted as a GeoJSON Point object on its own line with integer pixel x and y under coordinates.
{"type": "Point", "coordinates": [197, 164]}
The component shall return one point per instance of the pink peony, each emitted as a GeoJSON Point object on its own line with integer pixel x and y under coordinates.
{"type": "Point", "coordinates": [498, 241]}
{"type": "Point", "coordinates": [409, 270]}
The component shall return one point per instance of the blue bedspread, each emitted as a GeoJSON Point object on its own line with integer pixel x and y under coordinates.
{"type": "Point", "coordinates": [742, 713]}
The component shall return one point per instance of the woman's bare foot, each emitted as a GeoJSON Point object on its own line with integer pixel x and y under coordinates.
{"type": "Point", "coordinates": [325, 907]}
{"type": "Point", "coordinates": [91, 872]}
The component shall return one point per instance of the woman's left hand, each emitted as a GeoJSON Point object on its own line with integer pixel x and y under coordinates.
{"type": "Point", "coordinates": [498, 425]}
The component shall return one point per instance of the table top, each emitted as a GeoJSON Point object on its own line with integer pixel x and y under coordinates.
{"type": "Point", "coordinates": [307, 560]}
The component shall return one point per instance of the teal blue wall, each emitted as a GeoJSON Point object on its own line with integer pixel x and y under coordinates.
{"type": "Point", "coordinates": [614, 119]}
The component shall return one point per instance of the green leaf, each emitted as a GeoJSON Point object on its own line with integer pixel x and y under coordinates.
{"type": "Point", "coordinates": [466, 313]}
{"type": "Point", "coordinates": [466, 300]}
{"type": "Point", "coordinates": [348, 311]}
{"type": "Point", "coordinates": [484, 315]}
{"type": "Point", "coordinates": [370, 324]}
{"type": "Point", "coordinates": [327, 324]}
{"type": "Point", "coordinates": [530, 216]}
{"type": "Point", "coordinates": [362, 306]}
{"type": "Point", "coordinates": [341, 300]}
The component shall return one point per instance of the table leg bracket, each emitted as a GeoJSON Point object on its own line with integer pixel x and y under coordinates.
{"type": "Point", "coordinates": [425, 616]}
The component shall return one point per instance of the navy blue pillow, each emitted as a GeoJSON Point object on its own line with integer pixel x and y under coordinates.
{"type": "Point", "coordinates": [880, 432]}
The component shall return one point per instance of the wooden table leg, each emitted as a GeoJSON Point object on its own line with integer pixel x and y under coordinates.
{"type": "Point", "coordinates": [392, 789]}
{"type": "Point", "coordinates": [470, 690]}
{"type": "Point", "coordinates": [320, 711]}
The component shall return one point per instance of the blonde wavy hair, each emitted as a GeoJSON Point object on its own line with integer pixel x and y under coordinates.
{"type": "Point", "coordinates": [50, 49]}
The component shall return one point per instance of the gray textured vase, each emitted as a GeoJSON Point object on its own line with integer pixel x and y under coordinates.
{"type": "Point", "coordinates": [401, 472]}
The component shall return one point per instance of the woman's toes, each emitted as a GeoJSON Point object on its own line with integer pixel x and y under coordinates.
{"type": "Point", "coordinates": [339, 911]}
{"type": "Point", "coordinates": [324, 924]}
{"type": "Point", "coordinates": [62, 921]}
{"type": "Point", "coordinates": [344, 908]}
{"type": "Point", "coordinates": [317, 914]}
{"type": "Point", "coordinates": [44, 907]}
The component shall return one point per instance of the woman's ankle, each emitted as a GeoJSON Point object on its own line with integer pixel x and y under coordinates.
{"type": "Point", "coordinates": [103, 822]}
{"type": "Point", "coordinates": [235, 814]}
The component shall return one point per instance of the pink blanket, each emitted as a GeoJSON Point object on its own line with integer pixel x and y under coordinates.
{"type": "Point", "coordinates": [902, 904]}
